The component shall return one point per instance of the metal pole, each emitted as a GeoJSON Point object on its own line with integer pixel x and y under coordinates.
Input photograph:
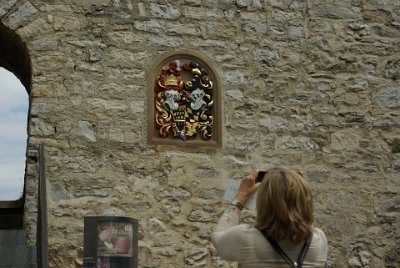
{"type": "Point", "coordinates": [42, 226]}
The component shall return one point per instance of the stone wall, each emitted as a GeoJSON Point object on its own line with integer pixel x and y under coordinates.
{"type": "Point", "coordinates": [308, 83]}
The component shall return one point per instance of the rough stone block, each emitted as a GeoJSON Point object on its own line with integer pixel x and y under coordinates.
{"type": "Point", "coordinates": [302, 143]}
{"type": "Point", "coordinates": [388, 97]}
{"type": "Point", "coordinates": [21, 16]}
{"type": "Point", "coordinates": [5, 6]}
{"type": "Point", "coordinates": [87, 130]}
{"type": "Point", "coordinates": [41, 128]}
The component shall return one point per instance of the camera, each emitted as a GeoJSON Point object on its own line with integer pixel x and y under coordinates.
{"type": "Point", "coordinates": [260, 176]}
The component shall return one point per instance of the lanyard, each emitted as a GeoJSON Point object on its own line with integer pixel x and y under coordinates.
{"type": "Point", "coordinates": [279, 250]}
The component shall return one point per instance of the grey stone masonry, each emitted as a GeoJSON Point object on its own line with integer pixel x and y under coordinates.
{"type": "Point", "coordinates": [313, 84]}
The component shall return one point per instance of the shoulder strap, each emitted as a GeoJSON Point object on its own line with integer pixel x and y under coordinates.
{"type": "Point", "coordinates": [282, 253]}
{"type": "Point", "coordinates": [304, 250]}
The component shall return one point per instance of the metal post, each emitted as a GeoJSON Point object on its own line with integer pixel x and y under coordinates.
{"type": "Point", "coordinates": [42, 233]}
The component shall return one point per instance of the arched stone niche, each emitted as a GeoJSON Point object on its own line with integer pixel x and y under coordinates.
{"type": "Point", "coordinates": [184, 101]}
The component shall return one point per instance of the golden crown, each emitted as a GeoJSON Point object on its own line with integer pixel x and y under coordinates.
{"type": "Point", "coordinates": [172, 80]}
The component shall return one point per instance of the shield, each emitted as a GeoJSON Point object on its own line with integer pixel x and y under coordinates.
{"type": "Point", "coordinates": [184, 108]}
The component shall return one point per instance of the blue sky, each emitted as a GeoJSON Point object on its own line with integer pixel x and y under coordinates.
{"type": "Point", "coordinates": [13, 135]}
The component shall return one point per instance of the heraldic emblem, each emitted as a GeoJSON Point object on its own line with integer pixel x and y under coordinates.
{"type": "Point", "coordinates": [184, 109]}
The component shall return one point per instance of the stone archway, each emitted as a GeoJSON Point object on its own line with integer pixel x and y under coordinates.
{"type": "Point", "coordinates": [14, 56]}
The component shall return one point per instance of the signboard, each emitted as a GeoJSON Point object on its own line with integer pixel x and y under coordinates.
{"type": "Point", "coordinates": [110, 242]}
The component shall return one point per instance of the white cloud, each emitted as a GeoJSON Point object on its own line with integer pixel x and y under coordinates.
{"type": "Point", "coordinates": [14, 103]}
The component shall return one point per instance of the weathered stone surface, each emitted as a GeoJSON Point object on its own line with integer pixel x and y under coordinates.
{"type": "Point", "coordinates": [207, 172]}
{"type": "Point", "coordinates": [345, 141]}
{"type": "Point", "coordinates": [388, 97]}
{"type": "Point", "coordinates": [87, 130]}
{"type": "Point", "coordinates": [6, 5]}
{"type": "Point", "coordinates": [41, 128]}
{"type": "Point", "coordinates": [196, 257]}
{"type": "Point", "coordinates": [58, 192]}
{"type": "Point", "coordinates": [296, 32]}
{"type": "Point", "coordinates": [173, 193]}
{"type": "Point", "coordinates": [337, 10]}
{"type": "Point", "coordinates": [306, 83]}
{"type": "Point", "coordinates": [357, 84]}
{"type": "Point", "coordinates": [200, 216]}
{"type": "Point", "coordinates": [171, 210]}
{"type": "Point", "coordinates": [156, 226]}
{"type": "Point", "coordinates": [274, 123]}
{"type": "Point", "coordinates": [266, 56]}
{"type": "Point", "coordinates": [36, 27]}
{"type": "Point", "coordinates": [45, 44]}
{"type": "Point", "coordinates": [163, 240]}
{"type": "Point", "coordinates": [21, 16]}
{"type": "Point", "coordinates": [164, 11]}
{"type": "Point", "coordinates": [301, 143]}
{"type": "Point", "coordinates": [246, 141]}
{"type": "Point", "coordinates": [392, 69]}
{"type": "Point", "coordinates": [104, 192]}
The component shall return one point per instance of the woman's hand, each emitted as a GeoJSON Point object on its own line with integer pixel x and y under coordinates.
{"type": "Point", "coordinates": [247, 187]}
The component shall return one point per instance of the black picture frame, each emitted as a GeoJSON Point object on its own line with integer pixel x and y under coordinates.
{"type": "Point", "coordinates": [110, 242]}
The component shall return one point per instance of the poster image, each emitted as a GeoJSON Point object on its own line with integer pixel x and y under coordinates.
{"type": "Point", "coordinates": [114, 239]}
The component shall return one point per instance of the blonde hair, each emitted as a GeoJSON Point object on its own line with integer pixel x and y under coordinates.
{"type": "Point", "coordinates": [285, 206]}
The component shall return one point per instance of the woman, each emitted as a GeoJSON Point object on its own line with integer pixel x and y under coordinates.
{"type": "Point", "coordinates": [284, 214]}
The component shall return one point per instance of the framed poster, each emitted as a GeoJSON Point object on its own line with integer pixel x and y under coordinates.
{"type": "Point", "coordinates": [114, 239]}
{"type": "Point", "coordinates": [110, 242]}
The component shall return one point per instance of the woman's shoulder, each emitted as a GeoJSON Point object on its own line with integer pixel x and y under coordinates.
{"type": "Point", "coordinates": [319, 239]}
{"type": "Point", "coordinates": [247, 229]}
{"type": "Point", "coordinates": [318, 233]}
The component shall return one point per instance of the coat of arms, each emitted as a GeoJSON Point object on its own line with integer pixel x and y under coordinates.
{"type": "Point", "coordinates": [184, 109]}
